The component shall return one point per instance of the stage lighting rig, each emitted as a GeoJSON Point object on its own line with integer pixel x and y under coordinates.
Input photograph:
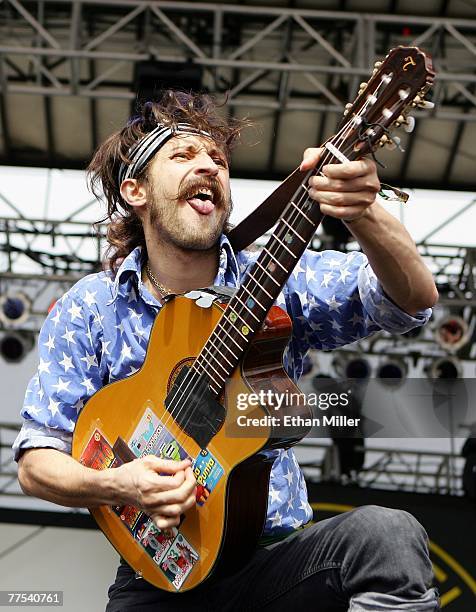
{"type": "Point", "coordinates": [392, 372]}
{"type": "Point", "coordinates": [14, 346]}
{"type": "Point", "coordinates": [452, 333]}
{"type": "Point", "coordinates": [15, 308]}
{"type": "Point", "coordinates": [445, 368]}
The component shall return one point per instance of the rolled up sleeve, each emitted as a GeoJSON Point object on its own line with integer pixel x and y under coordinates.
{"type": "Point", "coordinates": [35, 435]}
{"type": "Point", "coordinates": [382, 310]}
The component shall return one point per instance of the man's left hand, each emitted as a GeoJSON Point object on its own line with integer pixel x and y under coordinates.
{"type": "Point", "coordinates": [346, 191]}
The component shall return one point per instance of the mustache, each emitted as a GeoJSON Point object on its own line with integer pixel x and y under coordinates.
{"type": "Point", "coordinates": [189, 189]}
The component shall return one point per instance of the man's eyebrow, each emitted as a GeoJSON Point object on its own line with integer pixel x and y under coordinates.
{"type": "Point", "coordinates": [183, 146]}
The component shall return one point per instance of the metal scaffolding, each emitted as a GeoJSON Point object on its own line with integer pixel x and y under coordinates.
{"type": "Point", "coordinates": [222, 38]}
{"type": "Point", "coordinates": [277, 59]}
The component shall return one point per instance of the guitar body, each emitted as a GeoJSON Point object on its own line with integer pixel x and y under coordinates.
{"type": "Point", "coordinates": [223, 528]}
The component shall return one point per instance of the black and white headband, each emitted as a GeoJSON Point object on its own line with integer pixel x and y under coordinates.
{"type": "Point", "coordinates": [144, 150]}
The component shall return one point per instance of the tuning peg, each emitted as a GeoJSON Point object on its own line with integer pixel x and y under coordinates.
{"type": "Point", "coordinates": [363, 85]}
{"type": "Point", "coordinates": [398, 122]}
{"type": "Point", "coordinates": [383, 141]}
{"type": "Point", "coordinates": [347, 108]}
{"type": "Point", "coordinates": [393, 143]}
{"type": "Point", "coordinates": [426, 104]}
{"type": "Point", "coordinates": [409, 124]}
{"type": "Point", "coordinates": [377, 65]}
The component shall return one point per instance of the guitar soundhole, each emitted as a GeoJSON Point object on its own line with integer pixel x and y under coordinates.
{"type": "Point", "coordinates": [187, 361]}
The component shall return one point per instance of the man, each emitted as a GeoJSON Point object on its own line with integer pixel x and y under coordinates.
{"type": "Point", "coordinates": [166, 180]}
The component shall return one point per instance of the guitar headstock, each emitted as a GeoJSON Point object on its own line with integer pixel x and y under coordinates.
{"type": "Point", "coordinates": [397, 85]}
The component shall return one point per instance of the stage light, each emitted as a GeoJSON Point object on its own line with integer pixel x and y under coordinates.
{"type": "Point", "coordinates": [357, 368]}
{"type": "Point", "coordinates": [452, 333]}
{"type": "Point", "coordinates": [14, 309]}
{"type": "Point", "coordinates": [445, 368]}
{"type": "Point", "coordinates": [14, 346]}
{"type": "Point", "coordinates": [392, 372]}
{"type": "Point", "coordinates": [352, 367]}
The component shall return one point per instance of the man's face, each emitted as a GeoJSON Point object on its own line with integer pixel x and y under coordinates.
{"type": "Point", "coordinates": [189, 197]}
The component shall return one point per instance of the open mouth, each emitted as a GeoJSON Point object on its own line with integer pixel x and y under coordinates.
{"type": "Point", "coordinates": [202, 201]}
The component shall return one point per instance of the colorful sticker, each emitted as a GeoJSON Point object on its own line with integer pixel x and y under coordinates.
{"type": "Point", "coordinates": [98, 453]}
{"type": "Point", "coordinates": [131, 517]}
{"type": "Point", "coordinates": [207, 472]}
{"type": "Point", "coordinates": [178, 561]}
{"type": "Point", "coordinates": [154, 541]}
{"type": "Point", "coordinates": [152, 438]}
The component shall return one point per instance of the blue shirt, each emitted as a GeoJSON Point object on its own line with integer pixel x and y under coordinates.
{"type": "Point", "coordinates": [98, 332]}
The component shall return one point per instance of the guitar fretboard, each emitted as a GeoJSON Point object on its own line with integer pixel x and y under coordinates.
{"type": "Point", "coordinates": [247, 309]}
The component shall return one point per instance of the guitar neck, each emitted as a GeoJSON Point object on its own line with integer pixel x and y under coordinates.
{"type": "Point", "coordinates": [247, 309]}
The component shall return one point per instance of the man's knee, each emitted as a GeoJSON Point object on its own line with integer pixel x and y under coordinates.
{"type": "Point", "coordinates": [391, 549]}
{"type": "Point", "coordinates": [379, 522]}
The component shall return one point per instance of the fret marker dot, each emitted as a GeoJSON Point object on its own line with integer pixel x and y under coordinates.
{"type": "Point", "coordinates": [288, 238]}
{"type": "Point", "coordinates": [245, 330]}
{"type": "Point", "coordinates": [250, 303]}
{"type": "Point", "coordinates": [271, 266]}
{"type": "Point", "coordinates": [232, 317]}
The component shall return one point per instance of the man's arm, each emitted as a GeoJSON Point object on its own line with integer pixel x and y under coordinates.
{"type": "Point", "coordinates": [348, 191]}
{"type": "Point", "coordinates": [163, 488]}
{"type": "Point", "coordinates": [395, 260]}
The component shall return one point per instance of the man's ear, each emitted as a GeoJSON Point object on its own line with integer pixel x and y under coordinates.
{"type": "Point", "coordinates": [134, 193]}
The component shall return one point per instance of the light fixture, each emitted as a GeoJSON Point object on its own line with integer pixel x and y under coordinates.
{"type": "Point", "coordinates": [15, 309]}
{"type": "Point", "coordinates": [452, 333]}
{"type": "Point", "coordinates": [392, 372]}
{"type": "Point", "coordinates": [358, 368]}
{"type": "Point", "coordinates": [14, 346]}
{"type": "Point", "coordinates": [354, 367]}
{"type": "Point", "coordinates": [445, 368]}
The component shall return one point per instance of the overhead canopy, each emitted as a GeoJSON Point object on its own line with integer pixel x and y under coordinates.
{"type": "Point", "coordinates": [69, 71]}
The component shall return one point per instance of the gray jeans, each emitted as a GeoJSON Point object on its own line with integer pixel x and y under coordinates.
{"type": "Point", "coordinates": [370, 559]}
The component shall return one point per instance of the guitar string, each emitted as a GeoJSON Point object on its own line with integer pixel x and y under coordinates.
{"type": "Point", "coordinates": [340, 136]}
{"type": "Point", "coordinates": [199, 364]}
{"type": "Point", "coordinates": [175, 410]}
{"type": "Point", "coordinates": [193, 375]}
{"type": "Point", "coordinates": [239, 310]}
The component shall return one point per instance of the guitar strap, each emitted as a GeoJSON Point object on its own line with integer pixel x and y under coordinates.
{"type": "Point", "coordinates": [267, 213]}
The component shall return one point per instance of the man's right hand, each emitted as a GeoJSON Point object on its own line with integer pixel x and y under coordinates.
{"type": "Point", "coordinates": [164, 489]}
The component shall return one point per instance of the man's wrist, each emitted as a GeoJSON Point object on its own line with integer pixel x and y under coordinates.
{"type": "Point", "coordinates": [367, 212]}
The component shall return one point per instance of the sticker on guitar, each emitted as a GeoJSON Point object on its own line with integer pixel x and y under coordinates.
{"type": "Point", "coordinates": [178, 561]}
{"type": "Point", "coordinates": [98, 453]}
{"type": "Point", "coordinates": [152, 437]}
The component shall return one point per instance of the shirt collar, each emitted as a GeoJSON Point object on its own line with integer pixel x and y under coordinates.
{"type": "Point", "coordinates": [131, 268]}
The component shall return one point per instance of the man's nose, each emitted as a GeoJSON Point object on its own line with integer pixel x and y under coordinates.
{"type": "Point", "coordinates": [206, 165]}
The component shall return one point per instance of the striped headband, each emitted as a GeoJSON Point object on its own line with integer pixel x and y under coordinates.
{"type": "Point", "coordinates": [144, 150]}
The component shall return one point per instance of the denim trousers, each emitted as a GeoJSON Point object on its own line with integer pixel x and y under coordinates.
{"type": "Point", "coordinates": [371, 558]}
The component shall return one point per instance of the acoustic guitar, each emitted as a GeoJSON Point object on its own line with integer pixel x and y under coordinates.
{"type": "Point", "coordinates": [207, 350]}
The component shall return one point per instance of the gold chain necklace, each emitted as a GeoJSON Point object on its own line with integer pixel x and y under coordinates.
{"type": "Point", "coordinates": [163, 290]}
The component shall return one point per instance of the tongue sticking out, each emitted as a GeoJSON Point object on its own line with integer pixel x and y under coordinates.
{"type": "Point", "coordinates": [204, 207]}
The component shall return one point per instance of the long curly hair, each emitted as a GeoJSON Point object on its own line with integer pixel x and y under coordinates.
{"type": "Point", "coordinates": [125, 230]}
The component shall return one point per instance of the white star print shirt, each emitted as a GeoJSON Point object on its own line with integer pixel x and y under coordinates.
{"type": "Point", "coordinates": [98, 332]}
